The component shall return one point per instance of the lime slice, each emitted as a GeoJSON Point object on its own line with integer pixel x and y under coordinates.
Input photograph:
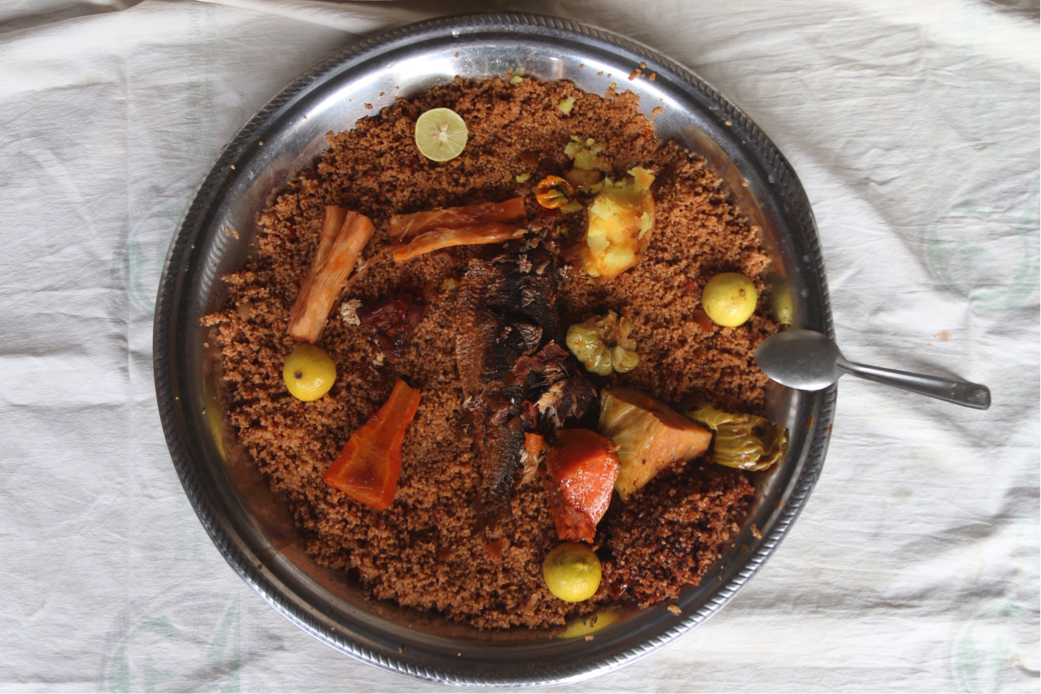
{"type": "Point", "coordinates": [441, 134]}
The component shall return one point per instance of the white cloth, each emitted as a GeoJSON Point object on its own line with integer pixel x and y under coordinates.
{"type": "Point", "coordinates": [914, 128]}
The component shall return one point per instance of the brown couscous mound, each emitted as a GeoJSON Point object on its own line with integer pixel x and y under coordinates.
{"type": "Point", "coordinates": [423, 551]}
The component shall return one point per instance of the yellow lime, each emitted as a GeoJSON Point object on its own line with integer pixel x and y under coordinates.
{"type": "Point", "coordinates": [592, 623]}
{"type": "Point", "coordinates": [729, 299]}
{"type": "Point", "coordinates": [309, 373]}
{"type": "Point", "coordinates": [782, 298]}
{"type": "Point", "coordinates": [441, 134]}
{"type": "Point", "coordinates": [572, 572]}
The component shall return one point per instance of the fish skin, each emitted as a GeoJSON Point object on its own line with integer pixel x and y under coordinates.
{"type": "Point", "coordinates": [495, 295]}
{"type": "Point", "coordinates": [503, 313]}
{"type": "Point", "coordinates": [498, 455]}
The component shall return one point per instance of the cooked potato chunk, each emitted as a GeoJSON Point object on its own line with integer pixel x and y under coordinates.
{"type": "Point", "coordinates": [621, 222]}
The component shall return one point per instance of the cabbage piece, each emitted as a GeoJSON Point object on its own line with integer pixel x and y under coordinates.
{"type": "Point", "coordinates": [649, 434]}
{"type": "Point", "coordinates": [603, 345]}
{"type": "Point", "coordinates": [742, 440]}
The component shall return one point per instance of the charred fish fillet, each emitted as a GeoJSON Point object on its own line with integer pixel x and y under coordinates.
{"type": "Point", "coordinates": [502, 313]}
{"type": "Point", "coordinates": [505, 312]}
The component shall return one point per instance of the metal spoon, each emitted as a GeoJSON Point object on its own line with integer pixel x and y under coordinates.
{"type": "Point", "coordinates": [808, 360]}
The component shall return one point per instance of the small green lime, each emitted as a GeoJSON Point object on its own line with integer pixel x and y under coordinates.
{"type": "Point", "coordinates": [309, 373]}
{"type": "Point", "coordinates": [729, 299]}
{"type": "Point", "coordinates": [441, 134]}
{"type": "Point", "coordinates": [572, 572]}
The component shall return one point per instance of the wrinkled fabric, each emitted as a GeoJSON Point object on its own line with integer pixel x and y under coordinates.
{"type": "Point", "coordinates": [914, 130]}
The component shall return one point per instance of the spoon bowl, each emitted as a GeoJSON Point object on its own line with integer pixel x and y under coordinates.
{"type": "Point", "coordinates": [800, 359]}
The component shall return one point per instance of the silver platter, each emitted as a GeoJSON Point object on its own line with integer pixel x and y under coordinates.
{"type": "Point", "coordinates": [251, 526]}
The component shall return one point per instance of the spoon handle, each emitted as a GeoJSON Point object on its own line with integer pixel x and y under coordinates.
{"type": "Point", "coordinates": [959, 392]}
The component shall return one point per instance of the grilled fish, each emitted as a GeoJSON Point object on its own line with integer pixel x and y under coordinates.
{"type": "Point", "coordinates": [505, 311]}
